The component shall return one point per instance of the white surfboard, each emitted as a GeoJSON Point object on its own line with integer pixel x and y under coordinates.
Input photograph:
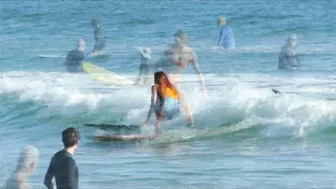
{"type": "Point", "coordinates": [51, 56]}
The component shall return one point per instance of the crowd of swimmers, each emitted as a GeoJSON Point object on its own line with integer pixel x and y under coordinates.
{"type": "Point", "coordinates": [288, 58]}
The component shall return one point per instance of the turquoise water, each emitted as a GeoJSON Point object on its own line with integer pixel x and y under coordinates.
{"type": "Point", "coordinates": [245, 136]}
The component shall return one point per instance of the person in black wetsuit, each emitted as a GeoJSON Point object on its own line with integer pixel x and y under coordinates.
{"type": "Point", "coordinates": [62, 166]}
{"type": "Point", "coordinates": [100, 39]}
{"type": "Point", "coordinates": [75, 58]}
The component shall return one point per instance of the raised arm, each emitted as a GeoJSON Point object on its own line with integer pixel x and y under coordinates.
{"type": "Point", "coordinates": [197, 70]}
{"type": "Point", "coordinates": [48, 177]}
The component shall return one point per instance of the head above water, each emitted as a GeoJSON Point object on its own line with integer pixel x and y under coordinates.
{"type": "Point", "coordinates": [70, 137]}
{"type": "Point", "coordinates": [145, 52]}
{"type": "Point", "coordinates": [95, 22]}
{"type": "Point", "coordinates": [28, 159]}
{"type": "Point", "coordinates": [81, 44]}
{"type": "Point", "coordinates": [160, 78]}
{"type": "Point", "coordinates": [221, 21]}
{"type": "Point", "coordinates": [181, 37]}
{"type": "Point", "coordinates": [292, 39]}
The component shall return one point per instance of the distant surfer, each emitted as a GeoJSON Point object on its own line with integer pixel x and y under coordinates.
{"type": "Point", "coordinates": [177, 58]}
{"type": "Point", "coordinates": [100, 39]}
{"type": "Point", "coordinates": [145, 58]}
{"type": "Point", "coordinates": [226, 38]}
{"type": "Point", "coordinates": [288, 58]}
{"type": "Point", "coordinates": [166, 101]}
{"type": "Point", "coordinates": [75, 58]}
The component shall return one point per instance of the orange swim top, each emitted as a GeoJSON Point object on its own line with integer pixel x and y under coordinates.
{"type": "Point", "coordinates": [172, 93]}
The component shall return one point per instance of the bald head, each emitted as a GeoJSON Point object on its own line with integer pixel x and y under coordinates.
{"type": "Point", "coordinates": [29, 157]}
{"type": "Point", "coordinates": [81, 44]}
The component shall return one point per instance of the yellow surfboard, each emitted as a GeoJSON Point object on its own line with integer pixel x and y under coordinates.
{"type": "Point", "coordinates": [105, 76]}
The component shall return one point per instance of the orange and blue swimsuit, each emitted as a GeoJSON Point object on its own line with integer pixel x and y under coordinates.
{"type": "Point", "coordinates": [171, 103]}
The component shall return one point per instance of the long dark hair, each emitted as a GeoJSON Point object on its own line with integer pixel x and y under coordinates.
{"type": "Point", "coordinates": [157, 79]}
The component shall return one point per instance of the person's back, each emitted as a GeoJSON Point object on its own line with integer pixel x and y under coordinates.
{"type": "Point", "coordinates": [15, 182]}
{"type": "Point", "coordinates": [75, 58]}
{"type": "Point", "coordinates": [62, 166]}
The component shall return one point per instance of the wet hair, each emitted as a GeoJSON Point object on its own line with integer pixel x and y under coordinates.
{"type": "Point", "coordinates": [70, 137]}
{"type": "Point", "coordinates": [95, 22]}
{"type": "Point", "coordinates": [158, 76]}
{"type": "Point", "coordinates": [182, 35]}
{"type": "Point", "coordinates": [29, 154]}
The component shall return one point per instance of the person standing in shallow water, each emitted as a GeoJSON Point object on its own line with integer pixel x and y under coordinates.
{"type": "Point", "coordinates": [100, 39]}
{"type": "Point", "coordinates": [145, 57]}
{"type": "Point", "coordinates": [177, 58]}
{"type": "Point", "coordinates": [62, 166]}
{"type": "Point", "coordinates": [26, 166]}
{"type": "Point", "coordinates": [226, 38]}
{"type": "Point", "coordinates": [288, 58]}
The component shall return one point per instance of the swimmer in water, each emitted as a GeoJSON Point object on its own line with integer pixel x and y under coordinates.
{"type": "Point", "coordinates": [166, 101]}
{"type": "Point", "coordinates": [26, 166]}
{"type": "Point", "coordinates": [75, 58]}
{"type": "Point", "coordinates": [288, 58]}
{"type": "Point", "coordinates": [145, 57]}
{"type": "Point", "coordinates": [100, 38]}
{"type": "Point", "coordinates": [177, 58]}
{"type": "Point", "coordinates": [226, 38]}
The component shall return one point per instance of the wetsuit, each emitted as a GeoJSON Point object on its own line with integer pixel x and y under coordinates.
{"type": "Point", "coordinates": [63, 167]}
{"type": "Point", "coordinates": [226, 38]}
{"type": "Point", "coordinates": [100, 38]}
{"type": "Point", "coordinates": [170, 100]}
{"type": "Point", "coordinates": [74, 61]}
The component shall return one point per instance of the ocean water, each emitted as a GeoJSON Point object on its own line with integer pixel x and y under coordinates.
{"type": "Point", "coordinates": [245, 137]}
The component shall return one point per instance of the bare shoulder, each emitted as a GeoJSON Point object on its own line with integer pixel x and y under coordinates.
{"type": "Point", "coordinates": [188, 49]}
{"type": "Point", "coordinates": [155, 86]}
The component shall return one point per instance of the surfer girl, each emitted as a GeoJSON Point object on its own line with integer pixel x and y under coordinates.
{"type": "Point", "coordinates": [166, 101]}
